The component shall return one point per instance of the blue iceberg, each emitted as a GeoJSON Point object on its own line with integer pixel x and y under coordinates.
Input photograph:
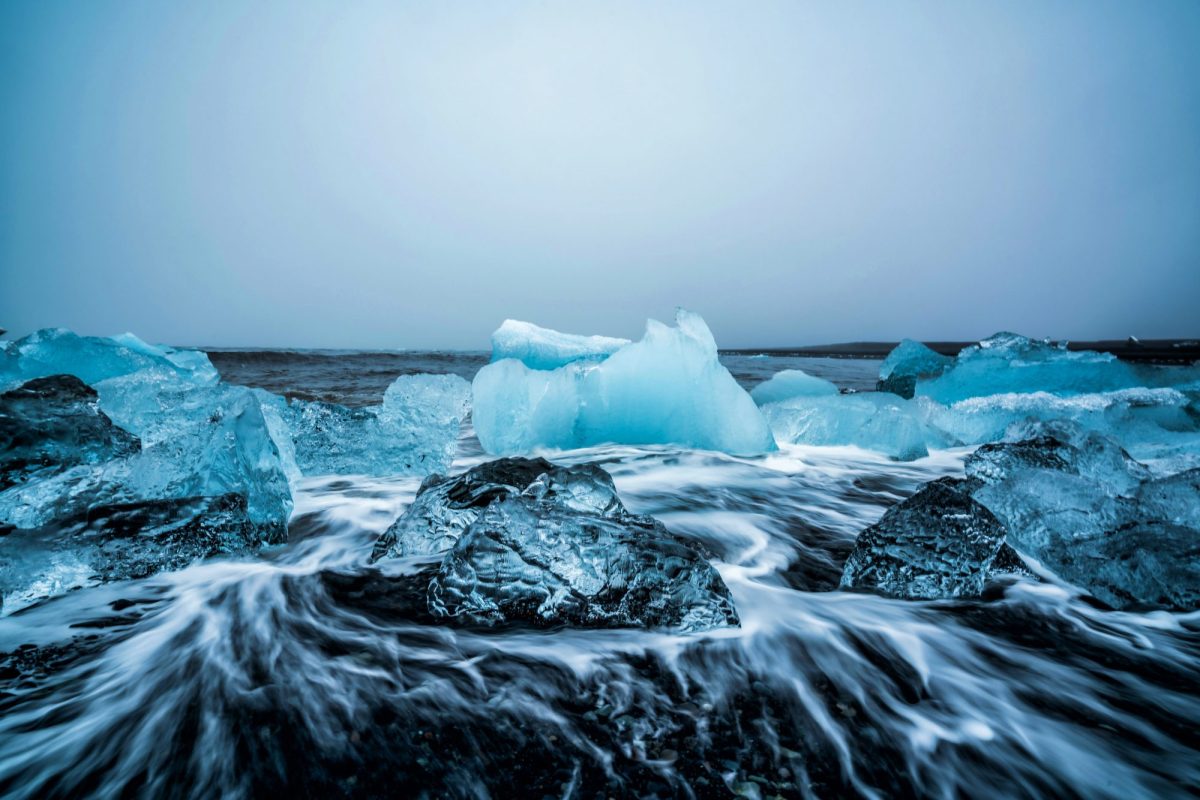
{"type": "Point", "coordinates": [669, 388]}
{"type": "Point", "coordinates": [909, 361]}
{"type": "Point", "coordinates": [791, 383]}
{"type": "Point", "coordinates": [57, 351]}
{"type": "Point", "coordinates": [542, 348]}
{"type": "Point", "coordinates": [872, 420]}
{"type": "Point", "coordinates": [414, 432]}
{"type": "Point", "coordinates": [1008, 363]}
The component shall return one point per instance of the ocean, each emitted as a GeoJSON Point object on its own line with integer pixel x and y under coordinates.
{"type": "Point", "coordinates": [306, 674]}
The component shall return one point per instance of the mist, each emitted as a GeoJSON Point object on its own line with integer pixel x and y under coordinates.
{"type": "Point", "coordinates": [403, 175]}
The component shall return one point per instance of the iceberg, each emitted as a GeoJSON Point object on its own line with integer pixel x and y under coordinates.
{"type": "Point", "coordinates": [1007, 363]}
{"type": "Point", "coordinates": [939, 543]}
{"type": "Point", "coordinates": [414, 432]}
{"type": "Point", "coordinates": [57, 351]}
{"type": "Point", "coordinates": [566, 552]}
{"type": "Point", "coordinates": [872, 420]}
{"type": "Point", "coordinates": [909, 361]}
{"type": "Point", "coordinates": [51, 424]}
{"type": "Point", "coordinates": [790, 383]}
{"type": "Point", "coordinates": [445, 507]}
{"type": "Point", "coordinates": [542, 348]}
{"type": "Point", "coordinates": [669, 388]}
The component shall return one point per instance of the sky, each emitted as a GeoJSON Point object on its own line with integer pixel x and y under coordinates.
{"type": "Point", "coordinates": [408, 175]}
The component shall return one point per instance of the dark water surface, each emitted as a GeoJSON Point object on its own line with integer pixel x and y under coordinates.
{"type": "Point", "coordinates": [310, 673]}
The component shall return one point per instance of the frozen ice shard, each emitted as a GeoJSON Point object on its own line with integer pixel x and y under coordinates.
{"type": "Point", "coordinates": [791, 383]}
{"type": "Point", "coordinates": [542, 348]}
{"type": "Point", "coordinates": [57, 351]}
{"type": "Point", "coordinates": [669, 388]}
{"type": "Point", "coordinates": [414, 432]}
{"type": "Point", "coordinates": [939, 543]}
{"type": "Point", "coordinates": [54, 423]}
{"type": "Point", "coordinates": [539, 562]}
{"type": "Point", "coordinates": [1092, 515]}
{"type": "Point", "coordinates": [872, 420]}
{"type": "Point", "coordinates": [909, 361]}
{"type": "Point", "coordinates": [444, 507]}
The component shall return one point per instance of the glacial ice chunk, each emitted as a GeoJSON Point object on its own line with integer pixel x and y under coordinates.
{"type": "Point", "coordinates": [542, 348]}
{"type": "Point", "coordinates": [939, 543]}
{"type": "Point", "coordinates": [790, 383]}
{"type": "Point", "coordinates": [669, 388]}
{"type": "Point", "coordinates": [872, 420]}
{"type": "Point", "coordinates": [1094, 516]}
{"type": "Point", "coordinates": [1007, 363]}
{"type": "Point", "coordinates": [909, 361]}
{"type": "Point", "coordinates": [445, 507]}
{"type": "Point", "coordinates": [538, 561]}
{"type": "Point", "coordinates": [414, 432]}
{"type": "Point", "coordinates": [57, 351]}
{"type": "Point", "coordinates": [54, 423]}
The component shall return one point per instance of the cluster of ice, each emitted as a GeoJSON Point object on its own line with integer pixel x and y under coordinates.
{"type": "Point", "coordinates": [789, 383]}
{"type": "Point", "coordinates": [1070, 499]}
{"type": "Point", "coordinates": [939, 543]}
{"type": "Point", "coordinates": [122, 458]}
{"type": "Point", "coordinates": [1005, 382]}
{"type": "Point", "coordinates": [414, 432]}
{"type": "Point", "coordinates": [527, 541]}
{"type": "Point", "coordinates": [909, 361]}
{"type": "Point", "coordinates": [669, 388]}
{"type": "Point", "coordinates": [1088, 512]}
{"type": "Point", "coordinates": [542, 348]}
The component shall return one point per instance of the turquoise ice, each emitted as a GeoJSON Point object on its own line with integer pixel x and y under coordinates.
{"type": "Point", "coordinates": [668, 388]}
{"type": "Point", "coordinates": [790, 383]}
{"type": "Point", "coordinates": [542, 348]}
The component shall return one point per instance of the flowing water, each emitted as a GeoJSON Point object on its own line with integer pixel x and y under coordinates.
{"type": "Point", "coordinates": [308, 672]}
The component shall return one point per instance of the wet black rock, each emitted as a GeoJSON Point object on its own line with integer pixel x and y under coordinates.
{"type": "Point", "coordinates": [53, 423]}
{"type": "Point", "coordinates": [939, 543]}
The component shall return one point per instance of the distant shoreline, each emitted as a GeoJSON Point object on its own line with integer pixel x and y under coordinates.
{"type": "Point", "coordinates": [1155, 351]}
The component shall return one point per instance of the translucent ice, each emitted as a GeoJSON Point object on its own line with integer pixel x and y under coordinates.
{"type": "Point", "coordinates": [414, 432]}
{"type": "Point", "coordinates": [56, 351]}
{"type": "Point", "coordinates": [790, 383]}
{"type": "Point", "coordinates": [667, 388]}
{"type": "Point", "coordinates": [939, 543]}
{"type": "Point", "coordinates": [53, 423]}
{"type": "Point", "coordinates": [444, 507]}
{"type": "Point", "coordinates": [872, 420]}
{"type": "Point", "coordinates": [1094, 516]}
{"type": "Point", "coordinates": [542, 348]}
{"type": "Point", "coordinates": [536, 560]}
{"type": "Point", "coordinates": [909, 361]}
{"type": "Point", "coordinates": [1008, 363]}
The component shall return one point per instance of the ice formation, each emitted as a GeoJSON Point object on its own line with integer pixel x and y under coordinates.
{"type": "Point", "coordinates": [1094, 516]}
{"type": "Point", "coordinates": [871, 420]}
{"type": "Point", "coordinates": [669, 388]}
{"type": "Point", "coordinates": [1007, 363]}
{"type": "Point", "coordinates": [445, 507]}
{"type": "Point", "coordinates": [414, 432]}
{"type": "Point", "coordinates": [525, 541]}
{"type": "Point", "coordinates": [542, 348]}
{"type": "Point", "coordinates": [939, 543]}
{"type": "Point", "coordinates": [56, 351]}
{"type": "Point", "coordinates": [790, 383]}
{"type": "Point", "coordinates": [909, 361]}
{"type": "Point", "coordinates": [54, 423]}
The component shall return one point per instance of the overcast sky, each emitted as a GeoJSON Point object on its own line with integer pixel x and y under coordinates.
{"type": "Point", "coordinates": [395, 175]}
